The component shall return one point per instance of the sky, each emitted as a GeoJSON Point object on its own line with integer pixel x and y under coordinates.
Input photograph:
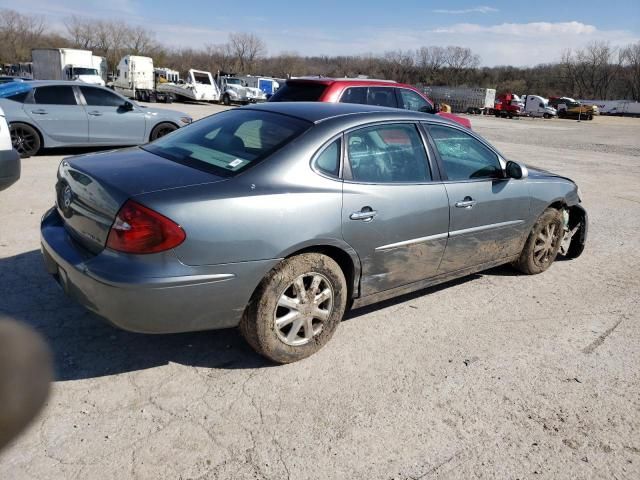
{"type": "Point", "coordinates": [520, 33]}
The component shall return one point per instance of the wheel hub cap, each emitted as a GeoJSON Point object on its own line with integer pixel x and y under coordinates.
{"type": "Point", "coordinates": [303, 308]}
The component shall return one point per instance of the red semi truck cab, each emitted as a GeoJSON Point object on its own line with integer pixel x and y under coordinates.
{"type": "Point", "coordinates": [508, 105]}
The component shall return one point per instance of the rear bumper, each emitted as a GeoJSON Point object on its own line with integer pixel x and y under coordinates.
{"type": "Point", "coordinates": [9, 168]}
{"type": "Point", "coordinates": [137, 300]}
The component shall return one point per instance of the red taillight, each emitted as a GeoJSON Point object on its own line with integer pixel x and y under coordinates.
{"type": "Point", "coordinates": [138, 229]}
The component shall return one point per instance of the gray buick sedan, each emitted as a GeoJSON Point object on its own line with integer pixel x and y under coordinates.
{"type": "Point", "coordinates": [279, 217]}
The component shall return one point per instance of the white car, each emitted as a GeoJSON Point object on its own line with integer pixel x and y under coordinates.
{"type": "Point", "coordinates": [9, 158]}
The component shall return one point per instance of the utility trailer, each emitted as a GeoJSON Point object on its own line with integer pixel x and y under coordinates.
{"type": "Point", "coordinates": [267, 84]}
{"type": "Point", "coordinates": [474, 100]}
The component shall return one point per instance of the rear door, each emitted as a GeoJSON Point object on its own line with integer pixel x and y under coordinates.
{"type": "Point", "coordinates": [55, 110]}
{"type": "Point", "coordinates": [489, 213]}
{"type": "Point", "coordinates": [395, 211]}
{"type": "Point", "coordinates": [109, 122]}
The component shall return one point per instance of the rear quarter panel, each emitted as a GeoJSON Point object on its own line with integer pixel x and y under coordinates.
{"type": "Point", "coordinates": [277, 207]}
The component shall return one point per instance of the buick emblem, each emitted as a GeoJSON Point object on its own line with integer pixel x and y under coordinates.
{"type": "Point", "coordinates": [67, 196]}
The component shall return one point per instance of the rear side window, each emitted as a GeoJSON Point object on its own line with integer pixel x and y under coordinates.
{"type": "Point", "coordinates": [229, 142]}
{"type": "Point", "coordinates": [299, 92]}
{"type": "Point", "coordinates": [19, 97]}
{"type": "Point", "coordinates": [55, 95]}
{"type": "Point", "coordinates": [354, 95]}
{"type": "Point", "coordinates": [328, 161]}
{"type": "Point", "coordinates": [382, 97]}
{"type": "Point", "coordinates": [96, 97]}
{"type": "Point", "coordinates": [387, 154]}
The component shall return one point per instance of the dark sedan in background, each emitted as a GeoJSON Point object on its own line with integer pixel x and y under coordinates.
{"type": "Point", "coordinates": [279, 217]}
{"type": "Point", "coordinates": [43, 114]}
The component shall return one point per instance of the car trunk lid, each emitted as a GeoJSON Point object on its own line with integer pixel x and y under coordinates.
{"type": "Point", "coordinates": [92, 188]}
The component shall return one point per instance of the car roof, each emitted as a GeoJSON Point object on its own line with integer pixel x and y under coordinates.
{"type": "Point", "coordinates": [351, 82]}
{"type": "Point", "coordinates": [317, 112]}
{"type": "Point", "coordinates": [36, 83]}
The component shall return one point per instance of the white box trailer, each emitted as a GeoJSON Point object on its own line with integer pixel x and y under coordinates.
{"type": "Point", "coordinates": [463, 99]}
{"type": "Point", "coordinates": [65, 64]}
{"type": "Point", "coordinates": [100, 64]}
{"type": "Point", "coordinates": [615, 107]}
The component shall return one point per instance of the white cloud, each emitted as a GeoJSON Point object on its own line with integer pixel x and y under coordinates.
{"type": "Point", "coordinates": [480, 9]}
{"type": "Point", "coordinates": [521, 29]}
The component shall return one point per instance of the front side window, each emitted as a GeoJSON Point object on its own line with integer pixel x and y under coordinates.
{"type": "Point", "coordinates": [55, 95]}
{"type": "Point", "coordinates": [412, 101]}
{"type": "Point", "coordinates": [464, 157]}
{"type": "Point", "coordinates": [230, 141]}
{"type": "Point", "coordinates": [387, 154]}
{"type": "Point", "coordinates": [354, 95]}
{"type": "Point", "coordinates": [97, 97]}
{"type": "Point", "coordinates": [328, 161]}
{"type": "Point", "coordinates": [382, 97]}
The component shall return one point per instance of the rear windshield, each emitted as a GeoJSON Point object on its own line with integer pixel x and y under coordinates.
{"type": "Point", "coordinates": [229, 142]}
{"type": "Point", "coordinates": [299, 92]}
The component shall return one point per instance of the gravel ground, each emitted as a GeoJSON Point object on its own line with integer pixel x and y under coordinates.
{"type": "Point", "coordinates": [497, 375]}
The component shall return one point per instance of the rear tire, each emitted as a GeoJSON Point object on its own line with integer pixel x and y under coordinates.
{"type": "Point", "coordinates": [25, 139]}
{"type": "Point", "coordinates": [161, 130]}
{"type": "Point", "coordinates": [543, 243]}
{"type": "Point", "coordinates": [296, 309]}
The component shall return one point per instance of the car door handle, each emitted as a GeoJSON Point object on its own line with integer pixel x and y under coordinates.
{"type": "Point", "coordinates": [39, 112]}
{"type": "Point", "coordinates": [468, 202]}
{"type": "Point", "coordinates": [95, 114]}
{"type": "Point", "coordinates": [366, 214]}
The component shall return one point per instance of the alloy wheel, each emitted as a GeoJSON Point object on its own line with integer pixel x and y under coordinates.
{"type": "Point", "coordinates": [546, 244]}
{"type": "Point", "coordinates": [303, 308]}
{"type": "Point", "coordinates": [24, 140]}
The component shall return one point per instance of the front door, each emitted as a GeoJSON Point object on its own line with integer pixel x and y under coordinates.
{"type": "Point", "coordinates": [394, 214]}
{"type": "Point", "coordinates": [109, 122]}
{"type": "Point", "coordinates": [489, 213]}
{"type": "Point", "coordinates": [55, 111]}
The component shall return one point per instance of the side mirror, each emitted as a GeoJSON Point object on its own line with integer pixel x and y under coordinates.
{"type": "Point", "coordinates": [436, 108]}
{"type": "Point", "coordinates": [128, 106]}
{"type": "Point", "coordinates": [516, 171]}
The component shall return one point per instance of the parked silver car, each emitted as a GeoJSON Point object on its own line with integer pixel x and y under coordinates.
{"type": "Point", "coordinates": [279, 217]}
{"type": "Point", "coordinates": [44, 114]}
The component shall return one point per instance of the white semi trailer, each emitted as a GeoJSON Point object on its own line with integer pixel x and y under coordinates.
{"type": "Point", "coordinates": [65, 64]}
{"type": "Point", "coordinates": [463, 99]}
{"type": "Point", "coordinates": [135, 78]}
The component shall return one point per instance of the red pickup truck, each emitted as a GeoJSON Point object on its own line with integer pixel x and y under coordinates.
{"type": "Point", "coordinates": [384, 93]}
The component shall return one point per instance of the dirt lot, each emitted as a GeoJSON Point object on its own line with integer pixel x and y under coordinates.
{"type": "Point", "coordinates": [494, 376]}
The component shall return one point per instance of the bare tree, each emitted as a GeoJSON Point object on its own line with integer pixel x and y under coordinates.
{"type": "Point", "coordinates": [631, 62]}
{"type": "Point", "coordinates": [429, 61]}
{"type": "Point", "coordinates": [459, 61]}
{"type": "Point", "coordinates": [18, 35]}
{"type": "Point", "coordinates": [246, 48]}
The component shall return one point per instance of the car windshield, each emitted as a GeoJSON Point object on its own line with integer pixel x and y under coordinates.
{"type": "Point", "coordinates": [233, 81]}
{"type": "Point", "coordinates": [299, 92]}
{"type": "Point", "coordinates": [84, 71]}
{"type": "Point", "coordinates": [229, 142]}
